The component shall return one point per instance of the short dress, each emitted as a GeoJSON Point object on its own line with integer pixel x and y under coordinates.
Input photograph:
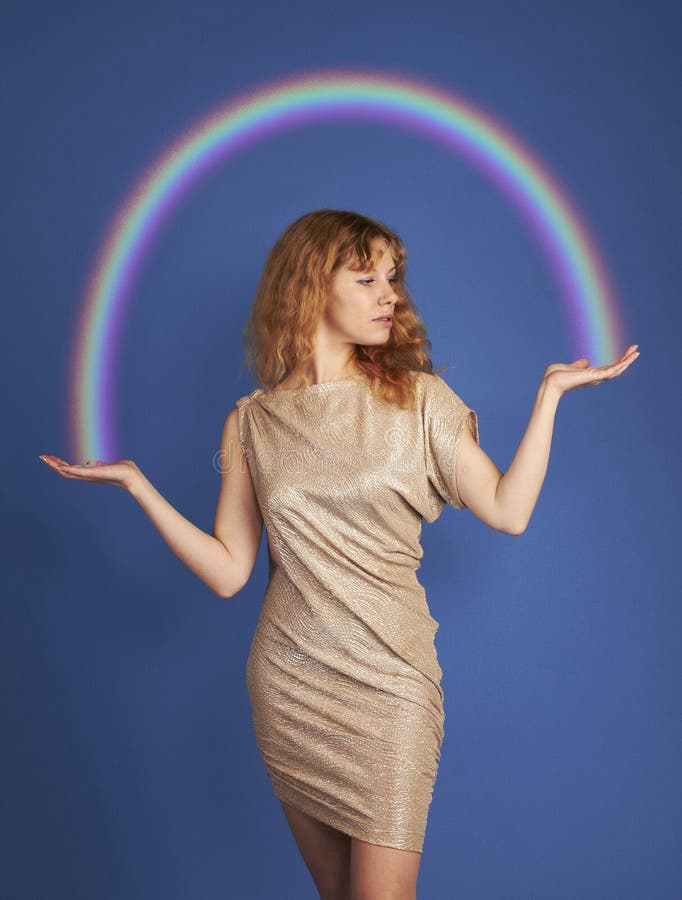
{"type": "Point", "coordinates": [342, 674]}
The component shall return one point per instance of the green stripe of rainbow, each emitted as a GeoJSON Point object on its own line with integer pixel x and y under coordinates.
{"type": "Point", "coordinates": [594, 319]}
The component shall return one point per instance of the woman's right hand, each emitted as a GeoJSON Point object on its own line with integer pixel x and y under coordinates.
{"type": "Point", "coordinates": [122, 473]}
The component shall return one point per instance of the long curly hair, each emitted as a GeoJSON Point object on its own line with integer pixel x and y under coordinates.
{"type": "Point", "coordinates": [279, 334]}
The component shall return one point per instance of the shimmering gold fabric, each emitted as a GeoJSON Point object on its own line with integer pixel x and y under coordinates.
{"type": "Point", "coordinates": [342, 674]}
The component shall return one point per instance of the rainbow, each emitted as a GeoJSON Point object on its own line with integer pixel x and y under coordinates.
{"type": "Point", "coordinates": [596, 324]}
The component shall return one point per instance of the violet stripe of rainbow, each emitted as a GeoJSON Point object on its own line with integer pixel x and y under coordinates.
{"type": "Point", "coordinates": [594, 320]}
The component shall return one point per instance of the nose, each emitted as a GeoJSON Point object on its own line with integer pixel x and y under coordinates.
{"type": "Point", "coordinates": [389, 295]}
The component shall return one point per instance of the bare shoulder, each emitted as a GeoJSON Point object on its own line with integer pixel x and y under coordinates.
{"type": "Point", "coordinates": [231, 427]}
{"type": "Point", "coordinates": [231, 424]}
{"type": "Point", "coordinates": [229, 440]}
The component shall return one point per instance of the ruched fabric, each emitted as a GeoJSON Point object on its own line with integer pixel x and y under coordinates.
{"type": "Point", "coordinates": [342, 674]}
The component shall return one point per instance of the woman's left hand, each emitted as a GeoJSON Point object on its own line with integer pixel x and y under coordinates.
{"type": "Point", "coordinates": [562, 377]}
{"type": "Point", "coordinates": [121, 473]}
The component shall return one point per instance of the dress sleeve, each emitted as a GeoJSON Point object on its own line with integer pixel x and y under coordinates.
{"type": "Point", "coordinates": [445, 417]}
{"type": "Point", "coordinates": [242, 404]}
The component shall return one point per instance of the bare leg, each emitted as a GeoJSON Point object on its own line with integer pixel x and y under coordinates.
{"type": "Point", "coordinates": [325, 851]}
{"type": "Point", "coordinates": [383, 873]}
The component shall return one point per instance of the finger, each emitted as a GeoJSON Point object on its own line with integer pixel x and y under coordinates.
{"type": "Point", "coordinates": [606, 370]}
{"type": "Point", "coordinates": [618, 367]}
{"type": "Point", "coordinates": [76, 469]}
{"type": "Point", "coordinates": [65, 472]}
{"type": "Point", "coordinates": [567, 367]}
{"type": "Point", "coordinates": [615, 370]}
{"type": "Point", "coordinates": [79, 473]}
{"type": "Point", "coordinates": [624, 366]}
{"type": "Point", "coordinates": [53, 462]}
{"type": "Point", "coordinates": [630, 353]}
{"type": "Point", "coordinates": [64, 468]}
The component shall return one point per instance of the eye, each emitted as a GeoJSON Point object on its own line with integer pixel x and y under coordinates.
{"type": "Point", "coordinates": [391, 280]}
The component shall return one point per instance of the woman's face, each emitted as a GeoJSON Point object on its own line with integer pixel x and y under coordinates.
{"type": "Point", "coordinates": [357, 299]}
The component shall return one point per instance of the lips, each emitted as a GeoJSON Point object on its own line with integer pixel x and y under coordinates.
{"type": "Point", "coordinates": [383, 319]}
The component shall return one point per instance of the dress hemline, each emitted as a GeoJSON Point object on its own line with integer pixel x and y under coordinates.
{"type": "Point", "coordinates": [285, 793]}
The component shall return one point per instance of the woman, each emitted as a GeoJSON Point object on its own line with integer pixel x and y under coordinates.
{"type": "Point", "coordinates": [350, 442]}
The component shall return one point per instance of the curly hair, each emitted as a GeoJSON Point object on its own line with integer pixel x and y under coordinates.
{"type": "Point", "coordinates": [279, 334]}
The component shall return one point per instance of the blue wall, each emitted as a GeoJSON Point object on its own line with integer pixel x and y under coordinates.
{"type": "Point", "coordinates": [130, 766]}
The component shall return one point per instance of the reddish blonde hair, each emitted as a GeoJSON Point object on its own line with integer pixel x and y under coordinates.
{"type": "Point", "coordinates": [290, 298]}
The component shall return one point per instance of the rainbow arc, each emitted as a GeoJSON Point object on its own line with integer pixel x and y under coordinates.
{"type": "Point", "coordinates": [592, 312]}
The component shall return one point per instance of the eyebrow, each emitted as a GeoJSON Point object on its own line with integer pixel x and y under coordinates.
{"type": "Point", "coordinates": [392, 269]}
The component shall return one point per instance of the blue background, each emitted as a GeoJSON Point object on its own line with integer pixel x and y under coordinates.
{"type": "Point", "coordinates": [130, 766]}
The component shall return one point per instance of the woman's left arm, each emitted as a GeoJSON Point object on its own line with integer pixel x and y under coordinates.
{"type": "Point", "coordinates": [506, 501]}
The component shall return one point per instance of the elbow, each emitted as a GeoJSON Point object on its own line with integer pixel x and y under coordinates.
{"type": "Point", "coordinates": [516, 528]}
{"type": "Point", "coordinates": [506, 525]}
{"type": "Point", "coordinates": [227, 590]}
{"type": "Point", "coordinates": [507, 521]}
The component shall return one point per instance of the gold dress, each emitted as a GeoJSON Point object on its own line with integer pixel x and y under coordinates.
{"type": "Point", "coordinates": [342, 674]}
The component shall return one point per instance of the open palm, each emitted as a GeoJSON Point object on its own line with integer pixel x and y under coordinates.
{"type": "Point", "coordinates": [119, 473]}
{"type": "Point", "coordinates": [564, 377]}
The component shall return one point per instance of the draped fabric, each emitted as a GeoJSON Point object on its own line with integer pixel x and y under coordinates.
{"type": "Point", "coordinates": [342, 673]}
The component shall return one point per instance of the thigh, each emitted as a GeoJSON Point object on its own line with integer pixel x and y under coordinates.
{"type": "Point", "coordinates": [325, 851]}
{"type": "Point", "coordinates": [383, 873]}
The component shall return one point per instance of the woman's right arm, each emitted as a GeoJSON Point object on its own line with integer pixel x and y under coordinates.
{"type": "Point", "coordinates": [224, 560]}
